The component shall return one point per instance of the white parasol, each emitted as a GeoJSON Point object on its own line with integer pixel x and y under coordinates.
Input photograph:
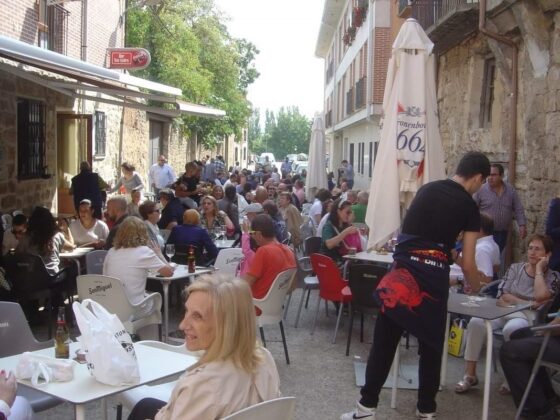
{"type": "Point", "coordinates": [316, 170]}
{"type": "Point", "coordinates": [410, 150]}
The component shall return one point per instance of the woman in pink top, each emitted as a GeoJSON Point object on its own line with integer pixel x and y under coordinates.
{"type": "Point", "coordinates": [248, 251]}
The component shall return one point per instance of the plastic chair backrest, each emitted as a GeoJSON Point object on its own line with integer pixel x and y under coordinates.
{"type": "Point", "coordinates": [305, 207]}
{"type": "Point", "coordinates": [165, 234]}
{"type": "Point", "coordinates": [277, 409]}
{"type": "Point", "coordinates": [272, 304]}
{"type": "Point", "coordinates": [7, 221]}
{"type": "Point", "coordinates": [312, 245]}
{"type": "Point", "coordinates": [363, 280]}
{"type": "Point", "coordinates": [15, 334]}
{"type": "Point", "coordinates": [95, 260]}
{"type": "Point", "coordinates": [228, 259]}
{"type": "Point", "coordinates": [330, 279]}
{"type": "Point", "coordinates": [27, 274]}
{"type": "Point", "coordinates": [108, 291]}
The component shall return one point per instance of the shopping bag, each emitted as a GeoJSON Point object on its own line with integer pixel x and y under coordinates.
{"type": "Point", "coordinates": [457, 338]}
{"type": "Point", "coordinates": [44, 369]}
{"type": "Point", "coordinates": [108, 346]}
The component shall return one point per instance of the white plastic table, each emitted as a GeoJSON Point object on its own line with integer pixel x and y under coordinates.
{"type": "Point", "coordinates": [75, 255]}
{"type": "Point", "coordinates": [155, 364]}
{"type": "Point", "coordinates": [487, 310]}
{"type": "Point", "coordinates": [181, 272]}
{"type": "Point", "coordinates": [372, 256]}
{"type": "Point", "coordinates": [224, 243]}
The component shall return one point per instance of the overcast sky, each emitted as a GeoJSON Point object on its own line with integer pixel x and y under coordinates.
{"type": "Point", "coordinates": [285, 32]}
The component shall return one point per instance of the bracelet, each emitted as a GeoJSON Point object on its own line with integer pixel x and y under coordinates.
{"type": "Point", "coordinates": [539, 274]}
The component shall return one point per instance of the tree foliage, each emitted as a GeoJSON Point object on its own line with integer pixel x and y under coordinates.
{"type": "Point", "coordinates": [287, 132]}
{"type": "Point", "coordinates": [192, 49]}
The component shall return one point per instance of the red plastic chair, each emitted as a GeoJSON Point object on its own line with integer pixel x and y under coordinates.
{"type": "Point", "coordinates": [332, 287]}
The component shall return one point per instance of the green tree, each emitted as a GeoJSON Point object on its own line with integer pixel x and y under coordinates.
{"type": "Point", "coordinates": [255, 135]}
{"type": "Point", "coordinates": [287, 132]}
{"type": "Point", "coordinates": [192, 49]}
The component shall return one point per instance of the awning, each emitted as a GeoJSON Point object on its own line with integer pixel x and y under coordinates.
{"type": "Point", "coordinates": [83, 80]}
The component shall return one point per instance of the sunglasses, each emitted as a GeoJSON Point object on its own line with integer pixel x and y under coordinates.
{"type": "Point", "coordinates": [252, 232]}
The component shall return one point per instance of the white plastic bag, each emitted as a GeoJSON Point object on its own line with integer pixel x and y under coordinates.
{"type": "Point", "coordinates": [108, 346]}
{"type": "Point", "coordinates": [43, 369]}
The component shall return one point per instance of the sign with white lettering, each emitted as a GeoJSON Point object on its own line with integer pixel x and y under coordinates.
{"type": "Point", "coordinates": [128, 58]}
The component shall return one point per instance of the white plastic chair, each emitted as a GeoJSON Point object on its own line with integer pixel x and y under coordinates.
{"type": "Point", "coordinates": [165, 234]}
{"type": "Point", "coordinates": [277, 409]}
{"type": "Point", "coordinates": [7, 221]}
{"type": "Point", "coordinates": [95, 260]}
{"type": "Point", "coordinates": [16, 337]}
{"type": "Point", "coordinates": [161, 392]}
{"type": "Point", "coordinates": [271, 305]}
{"type": "Point", "coordinates": [228, 259]}
{"type": "Point", "coordinates": [109, 292]}
{"type": "Point", "coordinates": [305, 207]}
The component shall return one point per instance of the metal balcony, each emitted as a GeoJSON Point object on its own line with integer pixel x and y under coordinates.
{"type": "Point", "coordinates": [350, 101]}
{"type": "Point", "coordinates": [447, 22]}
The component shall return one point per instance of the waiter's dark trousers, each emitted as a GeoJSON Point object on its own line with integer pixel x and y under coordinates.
{"type": "Point", "coordinates": [386, 337]}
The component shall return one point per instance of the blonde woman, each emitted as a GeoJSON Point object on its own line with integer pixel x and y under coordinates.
{"type": "Point", "coordinates": [234, 371]}
{"type": "Point", "coordinates": [130, 258]}
{"type": "Point", "coordinates": [212, 217]}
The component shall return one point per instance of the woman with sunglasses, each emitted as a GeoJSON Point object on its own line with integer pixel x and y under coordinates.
{"type": "Point", "coordinates": [211, 217]}
{"type": "Point", "coordinates": [338, 234]}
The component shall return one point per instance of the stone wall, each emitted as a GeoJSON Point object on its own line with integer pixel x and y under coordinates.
{"type": "Point", "coordinates": [536, 28]}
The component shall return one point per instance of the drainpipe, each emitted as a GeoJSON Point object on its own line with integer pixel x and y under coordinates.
{"type": "Point", "coordinates": [514, 82]}
{"type": "Point", "coordinates": [369, 73]}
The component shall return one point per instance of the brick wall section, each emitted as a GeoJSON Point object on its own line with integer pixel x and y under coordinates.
{"type": "Point", "coordinates": [381, 55]}
{"type": "Point", "coordinates": [18, 20]}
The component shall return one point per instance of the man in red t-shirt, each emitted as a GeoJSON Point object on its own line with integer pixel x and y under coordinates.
{"type": "Point", "coordinates": [270, 259]}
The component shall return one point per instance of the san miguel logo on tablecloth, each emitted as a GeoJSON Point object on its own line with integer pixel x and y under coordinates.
{"type": "Point", "coordinates": [411, 146]}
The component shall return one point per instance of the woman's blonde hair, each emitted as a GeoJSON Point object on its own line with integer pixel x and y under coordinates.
{"type": "Point", "coordinates": [191, 217]}
{"type": "Point", "coordinates": [132, 233]}
{"type": "Point", "coordinates": [214, 204]}
{"type": "Point", "coordinates": [234, 321]}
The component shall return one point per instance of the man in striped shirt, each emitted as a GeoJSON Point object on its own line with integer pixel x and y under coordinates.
{"type": "Point", "coordinates": [500, 200]}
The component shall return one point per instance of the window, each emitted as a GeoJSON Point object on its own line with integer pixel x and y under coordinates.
{"type": "Point", "coordinates": [370, 162]}
{"type": "Point", "coordinates": [351, 157]}
{"type": "Point", "coordinates": [244, 153]}
{"type": "Point", "coordinates": [100, 133]}
{"type": "Point", "coordinates": [31, 141]}
{"type": "Point", "coordinates": [362, 158]}
{"type": "Point", "coordinates": [487, 98]}
{"type": "Point", "coordinates": [53, 26]}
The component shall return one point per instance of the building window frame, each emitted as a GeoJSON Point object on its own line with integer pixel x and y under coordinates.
{"type": "Point", "coordinates": [370, 160]}
{"type": "Point", "coordinates": [31, 138]}
{"type": "Point", "coordinates": [52, 24]}
{"type": "Point", "coordinates": [487, 97]}
{"type": "Point", "coordinates": [100, 130]}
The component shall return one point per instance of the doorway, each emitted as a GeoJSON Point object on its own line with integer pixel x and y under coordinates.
{"type": "Point", "coordinates": [74, 145]}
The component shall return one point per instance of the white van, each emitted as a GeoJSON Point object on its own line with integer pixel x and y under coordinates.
{"type": "Point", "coordinates": [263, 156]}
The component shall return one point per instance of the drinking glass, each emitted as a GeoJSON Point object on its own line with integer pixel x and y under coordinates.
{"type": "Point", "coordinates": [170, 251]}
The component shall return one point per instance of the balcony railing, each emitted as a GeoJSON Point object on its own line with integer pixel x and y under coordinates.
{"type": "Point", "coordinates": [57, 22]}
{"type": "Point", "coordinates": [447, 22]}
{"type": "Point", "coordinates": [361, 93]}
{"type": "Point", "coordinates": [328, 119]}
{"type": "Point", "coordinates": [350, 101]}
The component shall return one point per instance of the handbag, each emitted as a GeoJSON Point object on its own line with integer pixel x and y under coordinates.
{"type": "Point", "coordinates": [44, 369]}
{"type": "Point", "coordinates": [108, 346]}
{"type": "Point", "coordinates": [457, 338]}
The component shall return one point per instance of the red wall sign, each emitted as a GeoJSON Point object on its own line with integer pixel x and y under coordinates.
{"type": "Point", "coordinates": [128, 58]}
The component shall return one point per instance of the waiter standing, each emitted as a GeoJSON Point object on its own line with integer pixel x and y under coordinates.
{"type": "Point", "coordinates": [413, 295]}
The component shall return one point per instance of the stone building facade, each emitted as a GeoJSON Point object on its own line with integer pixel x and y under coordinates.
{"type": "Point", "coordinates": [54, 80]}
{"type": "Point", "coordinates": [475, 87]}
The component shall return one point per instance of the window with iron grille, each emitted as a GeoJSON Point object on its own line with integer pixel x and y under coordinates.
{"type": "Point", "coordinates": [53, 27]}
{"type": "Point", "coordinates": [100, 133]}
{"type": "Point", "coordinates": [31, 138]}
{"type": "Point", "coordinates": [487, 98]}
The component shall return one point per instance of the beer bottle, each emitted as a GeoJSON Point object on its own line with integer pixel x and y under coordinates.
{"type": "Point", "coordinates": [61, 337]}
{"type": "Point", "coordinates": [191, 260]}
